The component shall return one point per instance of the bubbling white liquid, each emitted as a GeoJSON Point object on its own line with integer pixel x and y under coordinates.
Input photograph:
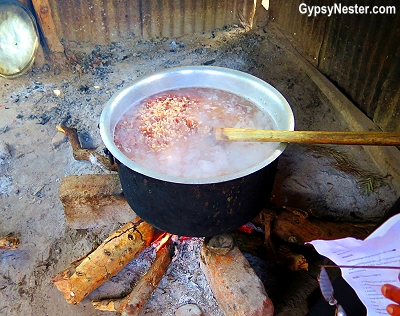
{"type": "Point", "coordinates": [198, 155]}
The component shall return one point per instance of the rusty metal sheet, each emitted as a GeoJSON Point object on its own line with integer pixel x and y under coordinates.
{"type": "Point", "coordinates": [300, 28]}
{"type": "Point", "coordinates": [105, 21]}
{"type": "Point", "coordinates": [96, 21]}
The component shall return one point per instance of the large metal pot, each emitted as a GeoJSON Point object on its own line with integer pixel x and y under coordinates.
{"type": "Point", "coordinates": [205, 206]}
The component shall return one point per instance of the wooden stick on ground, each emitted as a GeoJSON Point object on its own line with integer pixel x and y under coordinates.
{"type": "Point", "coordinates": [133, 303]}
{"type": "Point", "coordinates": [88, 273]}
{"type": "Point", "coordinates": [9, 243]}
{"type": "Point", "coordinates": [84, 154]}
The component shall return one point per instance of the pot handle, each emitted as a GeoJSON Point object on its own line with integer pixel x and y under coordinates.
{"type": "Point", "coordinates": [110, 156]}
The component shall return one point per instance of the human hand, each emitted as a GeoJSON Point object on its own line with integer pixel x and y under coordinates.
{"type": "Point", "coordinates": [392, 293]}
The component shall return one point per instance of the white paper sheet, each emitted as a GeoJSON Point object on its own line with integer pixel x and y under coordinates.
{"type": "Point", "coordinates": [381, 248]}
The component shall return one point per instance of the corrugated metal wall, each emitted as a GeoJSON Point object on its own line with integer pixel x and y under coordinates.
{"type": "Point", "coordinates": [105, 21]}
{"type": "Point", "coordinates": [360, 53]}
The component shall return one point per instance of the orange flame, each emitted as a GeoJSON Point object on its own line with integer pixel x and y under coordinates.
{"type": "Point", "coordinates": [162, 240]}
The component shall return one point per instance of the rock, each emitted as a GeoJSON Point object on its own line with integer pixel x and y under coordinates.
{"type": "Point", "coordinates": [188, 310]}
{"type": "Point", "coordinates": [235, 285]}
{"type": "Point", "coordinates": [58, 139]}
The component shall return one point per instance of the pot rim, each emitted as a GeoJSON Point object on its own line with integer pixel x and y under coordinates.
{"type": "Point", "coordinates": [107, 122]}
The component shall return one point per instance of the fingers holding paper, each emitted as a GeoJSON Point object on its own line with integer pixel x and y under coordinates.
{"type": "Point", "coordinates": [393, 293]}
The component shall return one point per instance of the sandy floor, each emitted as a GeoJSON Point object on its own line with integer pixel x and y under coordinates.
{"type": "Point", "coordinates": [34, 158]}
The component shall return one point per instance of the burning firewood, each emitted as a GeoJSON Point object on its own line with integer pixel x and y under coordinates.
{"type": "Point", "coordinates": [9, 243]}
{"type": "Point", "coordinates": [84, 154]}
{"type": "Point", "coordinates": [89, 272]}
{"type": "Point", "coordinates": [134, 302]}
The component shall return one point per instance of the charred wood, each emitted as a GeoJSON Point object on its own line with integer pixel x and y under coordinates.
{"type": "Point", "coordinates": [291, 260]}
{"type": "Point", "coordinates": [276, 251]}
{"type": "Point", "coordinates": [84, 154]}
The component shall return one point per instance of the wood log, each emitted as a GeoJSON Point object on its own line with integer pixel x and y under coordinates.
{"type": "Point", "coordinates": [298, 227]}
{"type": "Point", "coordinates": [9, 243]}
{"type": "Point", "coordinates": [84, 154]}
{"type": "Point", "coordinates": [229, 274]}
{"type": "Point", "coordinates": [133, 303]}
{"type": "Point", "coordinates": [295, 226]}
{"type": "Point", "coordinates": [93, 200]}
{"type": "Point", "coordinates": [89, 272]}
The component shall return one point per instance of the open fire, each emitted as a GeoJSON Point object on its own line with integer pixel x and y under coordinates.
{"type": "Point", "coordinates": [226, 269]}
{"type": "Point", "coordinates": [232, 283]}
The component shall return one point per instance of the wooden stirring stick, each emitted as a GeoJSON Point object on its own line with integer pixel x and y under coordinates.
{"type": "Point", "coordinates": [310, 137]}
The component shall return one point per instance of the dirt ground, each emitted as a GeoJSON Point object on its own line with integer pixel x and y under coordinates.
{"type": "Point", "coordinates": [333, 181]}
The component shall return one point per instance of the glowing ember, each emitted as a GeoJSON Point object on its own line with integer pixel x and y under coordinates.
{"type": "Point", "coordinates": [183, 238]}
{"type": "Point", "coordinates": [162, 240]}
{"type": "Point", "coordinates": [246, 229]}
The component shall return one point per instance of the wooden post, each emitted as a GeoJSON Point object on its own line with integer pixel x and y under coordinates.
{"type": "Point", "coordinates": [46, 23]}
